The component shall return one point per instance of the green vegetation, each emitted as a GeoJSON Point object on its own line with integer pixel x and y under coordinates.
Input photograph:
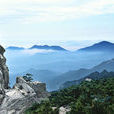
{"type": "Point", "coordinates": [28, 77]}
{"type": "Point", "coordinates": [43, 108]}
{"type": "Point", "coordinates": [95, 97]}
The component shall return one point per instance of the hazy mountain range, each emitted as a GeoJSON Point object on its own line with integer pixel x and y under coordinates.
{"type": "Point", "coordinates": [15, 48]}
{"type": "Point", "coordinates": [57, 67]}
{"type": "Point", "coordinates": [103, 46]}
{"type": "Point", "coordinates": [55, 80]}
{"type": "Point", "coordinates": [81, 73]}
{"type": "Point", "coordinates": [45, 47]}
{"type": "Point", "coordinates": [48, 47]}
{"type": "Point", "coordinates": [93, 76]}
{"type": "Point", "coordinates": [40, 75]}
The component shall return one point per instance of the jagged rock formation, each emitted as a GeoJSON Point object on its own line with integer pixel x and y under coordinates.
{"type": "Point", "coordinates": [22, 95]}
{"type": "Point", "coordinates": [4, 73]}
{"type": "Point", "coordinates": [37, 88]}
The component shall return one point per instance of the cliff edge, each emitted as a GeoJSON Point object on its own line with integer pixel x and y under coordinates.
{"type": "Point", "coordinates": [4, 72]}
{"type": "Point", "coordinates": [23, 94]}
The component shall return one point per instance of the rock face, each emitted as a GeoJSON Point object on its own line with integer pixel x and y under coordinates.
{"type": "Point", "coordinates": [24, 93]}
{"type": "Point", "coordinates": [37, 88]}
{"type": "Point", "coordinates": [4, 72]}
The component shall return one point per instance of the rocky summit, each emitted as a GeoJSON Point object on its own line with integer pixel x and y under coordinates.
{"type": "Point", "coordinates": [23, 94]}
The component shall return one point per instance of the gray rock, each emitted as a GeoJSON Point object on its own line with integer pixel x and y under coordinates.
{"type": "Point", "coordinates": [2, 95]}
{"type": "Point", "coordinates": [16, 103]}
{"type": "Point", "coordinates": [22, 85]}
{"type": "Point", "coordinates": [39, 88]}
{"type": "Point", "coordinates": [22, 96]}
{"type": "Point", "coordinates": [31, 87]}
{"type": "Point", "coordinates": [4, 72]}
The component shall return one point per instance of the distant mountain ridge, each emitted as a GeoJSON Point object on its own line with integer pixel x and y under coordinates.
{"type": "Point", "coordinates": [40, 75]}
{"type": "Point", "coordinates": [81, 73]}
{"type": "Point", "coordinates": [103, 46]}
{"type": "Point", "coordinates": [15, 48]}
{"type": "Point", "coordinates": [45, 47]}
{"type": "Point", "coordinates": [48, 47]}
{"type": "Point", "coordinates": [94, 76]}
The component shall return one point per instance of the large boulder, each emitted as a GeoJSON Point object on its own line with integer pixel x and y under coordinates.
{"type": "Point", "coordinates": [31, 87]}
{"type": "Point", "coordinates": [23, 95]}
{"type": "Point", "coordinates": [15, 102]}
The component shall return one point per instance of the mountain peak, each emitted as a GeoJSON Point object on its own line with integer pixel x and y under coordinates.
{"type": "Point", "coordinates": [104, 43]}
{"type": "Point", "coordinates": [103, 46]}
{"type": "Point", "coordinates": [15, 48]}
{"type": "Point", "coordinates": [46, 47]}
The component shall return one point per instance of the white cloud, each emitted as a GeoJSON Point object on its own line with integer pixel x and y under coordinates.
{"type": "Point", "coordinates": [34, 51]}
{"type": "Point", "coordinates": [29, 11]}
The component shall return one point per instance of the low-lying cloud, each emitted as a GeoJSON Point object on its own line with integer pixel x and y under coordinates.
{"type": "Point", "coordinates": [34, 51]}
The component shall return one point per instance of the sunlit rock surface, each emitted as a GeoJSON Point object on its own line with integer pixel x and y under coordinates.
{"type": "Point", "coordinates": [23, 94]}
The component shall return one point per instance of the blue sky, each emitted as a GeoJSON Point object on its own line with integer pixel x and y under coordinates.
{"type": "Point", "coordinates": [27, 22]}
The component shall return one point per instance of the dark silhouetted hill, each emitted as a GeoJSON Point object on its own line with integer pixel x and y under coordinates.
{"type": "Point", "coordinates": [46, 47]}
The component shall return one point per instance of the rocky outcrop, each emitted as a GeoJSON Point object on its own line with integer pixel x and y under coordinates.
{"type": "Point", "coordinates": [24, 93]}
{"type": "Point", "coordinates": [22, 96]}
{"type": "Point", "coordinates": [31, 87]}
{"type": "Point", "coordinates": [4, 73]}
{"type": "Point", "coordinates": [64, 110]}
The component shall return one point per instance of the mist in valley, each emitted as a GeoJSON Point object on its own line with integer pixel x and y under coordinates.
{"type": "Point", "coordinates": [47, 65]}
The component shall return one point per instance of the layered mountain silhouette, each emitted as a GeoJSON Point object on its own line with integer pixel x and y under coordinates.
{"type": "Point", "coordinates": [40, 75]}
{"type": "Point", "coordinates": [48, 47]}
{"type": "Point", "coordinates": [103, 46]}
{"type": "Point", "coordinates": [81, 73]}
{"type": "Point", "coordinates": [94, 76]}
{"type": "Point", "coordinates": [15, 48]}
{"type": "Point", "coordinates": [45, 47]}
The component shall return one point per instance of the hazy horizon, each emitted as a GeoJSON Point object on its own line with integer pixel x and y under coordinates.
{"type": "Point", "coordinates": [69, 45]}
{"type": "Point", "coordinates": [29, 22]}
